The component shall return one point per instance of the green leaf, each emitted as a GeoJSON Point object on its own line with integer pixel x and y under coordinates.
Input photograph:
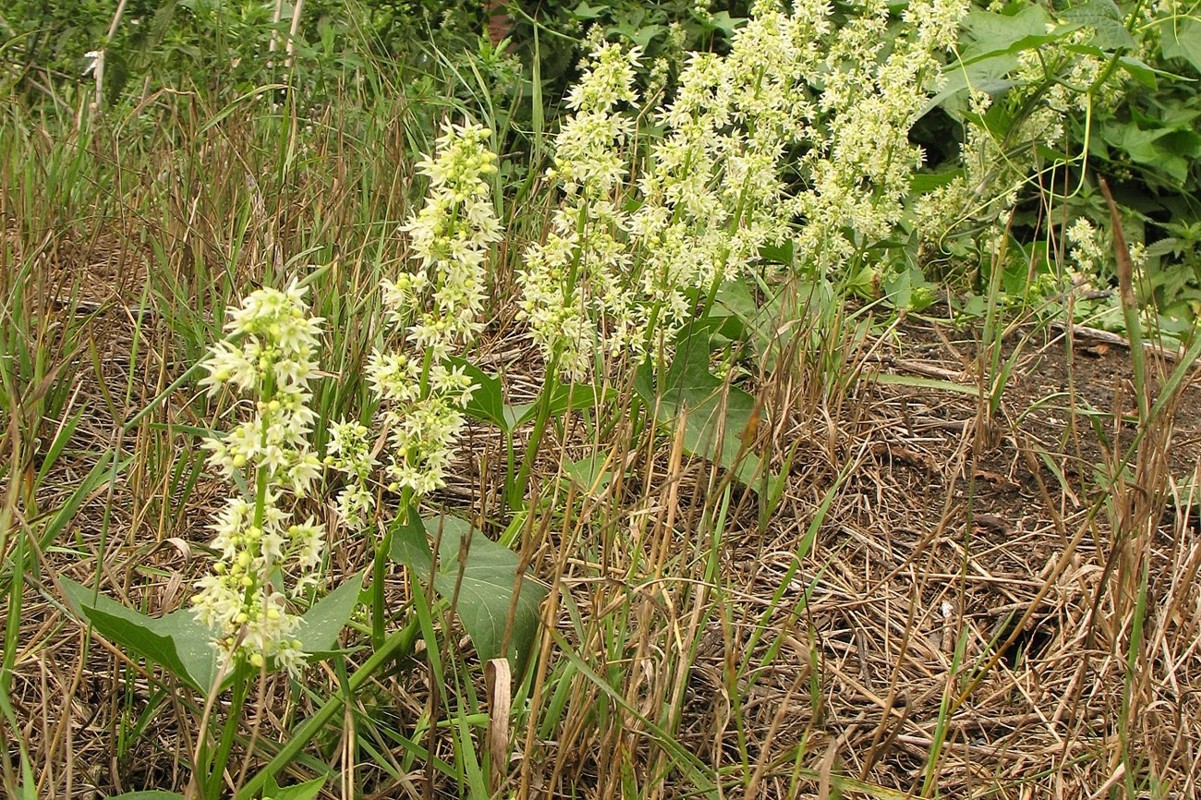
{"type": "Point", "coordinates": [1181, 38]}
{"type": "Point", "coordinates": [589, 473]}
{"type": "Point", "coordinates": [644, 35]}
{"type": "Point", "coordinates": [717, 415]}
{"type": "Point", "coordinates": [725, 23]}
{"type": "Point", "coordinates": [908, 289]}
{"type": "Point", "coordinates": [1156, 148]}
{"type": "Point", "coordinates": [584, 11]}
{"type": "Point", "coordinates": [410, 545]}
{"type": "Point", "coordinates": [1163, 247]}
{"type": "Point", "coordinates": [923, 182]}
{"type": "Point", "coordinates": [328, 616]}
{"type": "Point", "coordinates": [1104, 17]}
{"type": "Point", "coordinates": [988, 56]}
{"type": "Point", "coordinates": [176, 641]}
{"type": "Point", "coordinates": [485, 575]}
{"type": "Point", "coordinates": [571, 397]}
{"type": "Point", "coordinates": [300, 791]}
{"type": "Point", "coordinates": [1140, 71]}
{"type": "Point", "coordinates": [488, 400]}
{"type": "Point", "coordinates": [758, 322]}
{"type": "Point", "coordinates": [993, 35]}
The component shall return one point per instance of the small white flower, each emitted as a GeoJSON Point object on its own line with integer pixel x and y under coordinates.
{"type": "Point", "coordinates": [438, 306]}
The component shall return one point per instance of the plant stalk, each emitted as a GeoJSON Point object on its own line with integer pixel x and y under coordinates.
{"type": "Point", "coordinates": [399, 643]}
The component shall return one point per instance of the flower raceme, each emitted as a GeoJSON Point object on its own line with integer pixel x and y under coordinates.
{"type": "Point", "coordinates": [269, 358]}
{"type": "Point", "coordinates": [578, 276]}
{"type": "Point", "coordinates": [799, 133]}
{"type": "Point", "coordinates": [450, 237]}
{"type": "Point", "coordinates": [437, 306]}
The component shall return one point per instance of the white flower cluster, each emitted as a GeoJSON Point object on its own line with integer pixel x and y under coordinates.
{"type": "Point", "coordinates": [801, 131]}
{"type": "Point", "coordinates": [1049, 87]}
{"type": "Point", "coordinates": [349, 452]}
{"type": "Point", "coordinates": [423, 417]}
{"type": "Point", "coordinates": [578, 276]}
{"type": "Point", "coordinates": [713, 192]}
{"type": "Point", "coordinates": [270, 357]}
{"type": "Point", "coordinates": [450, 237]}
{"type": "Point", "coordinates": [1087, 249]}
{"type": "Point", "coordinates": [423, 398]}
{"type": "Point", "coordinates": [877, 78]}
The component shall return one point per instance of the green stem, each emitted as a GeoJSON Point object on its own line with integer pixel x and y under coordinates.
{"type": "Point", "coordinates": [399, 643]}
{"type": "Point", "coordinates": [215, 769]}
{"type": "Point", "coordinates": [510, 469]}
{"type": "Point", "coordinates": [517, 490]}
{"type": "Point", "coordinates": [379, 569]}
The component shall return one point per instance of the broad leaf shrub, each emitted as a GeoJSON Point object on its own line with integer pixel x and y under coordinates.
{"type": "Point", "coordinates": [1040, 101]}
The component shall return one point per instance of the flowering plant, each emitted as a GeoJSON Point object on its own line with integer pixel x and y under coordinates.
{"type": "Point", "coordinates": [264, 561]}
{"type": "Point", "coordinates": [799, 134]}
{"type": "Point", "coordinates": [437, 306]}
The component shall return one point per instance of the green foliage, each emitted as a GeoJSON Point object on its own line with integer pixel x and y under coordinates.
{"type": "Point", "coordinates": [1061, 95]}
{"type": "Point", "coordinates": [175, 641]}
{"type": "Point", "coordinates": [183, 646]}
{"type": "Point", "coordinates": [488, 401]}
{"type": "Point", "coordinates": [324, 621]}
{"type": "Point", "coordinates": [220, 45]}
{"type": "Point", "coordinates": [663, 29]}
{"type": "Point", "coordinates": [718, 419]}
{"type": "Point", "coordinates": [1039, 101]}
{"type": "Point", "coordinates": [494, 604]}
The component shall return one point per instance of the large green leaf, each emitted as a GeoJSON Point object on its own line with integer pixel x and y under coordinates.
{"type": "Point", "coordinates": [988, 55]}
{"type": "Point", "coordinates": [1181, 38]}
{"type": "Point", "coordinates": [411, 546]}
{"type": "Point", "coordinates": [328, 616]}
{"type": "Point", "coordinates": [176, 641]}
{"type": "Point", "coordinates": [485, 575]}
{"type": "Point", "coordinates": [717, 416]}
{"type": "Point", "coordinates": [1170, 150]}
{"type": "Point", "coordinates": [1105, 18]}
{"type": "Point", "coordinates": [183, 646]}
{"type": "Point", "coordinates": [991, 35]}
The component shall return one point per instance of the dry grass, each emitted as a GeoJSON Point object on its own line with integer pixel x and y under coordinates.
{"type": "Point", "coordinates": [947, 600]}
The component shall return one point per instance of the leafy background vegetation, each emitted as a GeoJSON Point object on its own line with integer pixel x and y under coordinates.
{"type": "Point", "coordinates": [865, 526]}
